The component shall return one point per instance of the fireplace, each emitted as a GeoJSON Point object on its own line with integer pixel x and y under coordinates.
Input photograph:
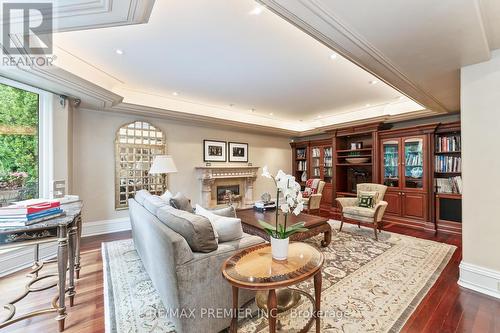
{"type": "Point", "coordinates": [225, 189]}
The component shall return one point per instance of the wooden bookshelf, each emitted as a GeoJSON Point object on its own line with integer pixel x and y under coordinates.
{"type": "Point", "coordinates": [447, 204]}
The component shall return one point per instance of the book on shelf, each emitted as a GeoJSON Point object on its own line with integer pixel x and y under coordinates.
{"type": "Point", "coordinates": [414, 159]}
{"type": "Point", "coordinates": [28, 207]}
{"type": "Point", "coordinates": [301, 153]}
{"type": "Point", "coordinates": [449, 143]}
{"type": "Point", "coordinates": [23, 213]}
{"type": "Point", "coordinates": [444, 163]}
{"type": "Point", "coordinates": [449, 185]}
{"type": "Point", "coordinates": [315, 152]}
{"type": "Point", "coordinates": [18, 223]}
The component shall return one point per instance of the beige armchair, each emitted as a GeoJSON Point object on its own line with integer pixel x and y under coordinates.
{"type": "Point", "coordinates": [312, 203]}
{"type": "Point", "coordinates": [349, 209]}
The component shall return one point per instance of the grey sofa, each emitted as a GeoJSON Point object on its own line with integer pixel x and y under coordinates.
{"type": "Point", "coordinates": [185, 279]}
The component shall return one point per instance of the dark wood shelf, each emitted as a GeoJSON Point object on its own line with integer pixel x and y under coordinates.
{"type": "Point", "coordinates": [448, 172]}
{"type": "Point", "coordinates": [353, 150]}
{"type": "Point", "coordinates": [352, 164]}
{"type": "Point", "coordinates": [449, 195]}
{"type": "Point", "coordinates": [447, 152]}
{"type": "Point", "coordinates": [357, 156]}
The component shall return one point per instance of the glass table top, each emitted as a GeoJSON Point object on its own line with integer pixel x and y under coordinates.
{"type": "Point", "coordinates": [255, 266]}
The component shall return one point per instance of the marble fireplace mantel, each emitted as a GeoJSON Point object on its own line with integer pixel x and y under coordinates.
{"type": "Point", "coordinates": [213, 176]}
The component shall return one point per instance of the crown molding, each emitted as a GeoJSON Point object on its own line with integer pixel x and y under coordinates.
{"type": "Point", "coordinates": [73, 15]}
{"type": "Point", "coordinates": [314, 19]}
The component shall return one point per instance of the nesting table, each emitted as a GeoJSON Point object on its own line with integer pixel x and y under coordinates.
{"type": "Point", "coordinates": [255, 269]}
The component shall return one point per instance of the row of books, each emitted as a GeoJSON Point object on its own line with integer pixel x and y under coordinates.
{"type": "Point", "coordinates": [315, 152]}
{"type": "Point", "coordinates": [28, 212]}
{"type": "Point", "coordinates": [448, 143]}
{"type": "Point", "coordinates": [413, 159]}
{"type": "Point", "coordinates": [301, 165]}
{"type": "Point", "coordinates": [391, 159]}
{"type": "Point", "coordinates": [448, 163]}
{"type": "Point", "coordinates": [301, 153]}
{"type": "Point", "coordinates": [449, 185]}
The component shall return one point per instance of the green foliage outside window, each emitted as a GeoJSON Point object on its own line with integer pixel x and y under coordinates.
{"type": "Point", "coordinates": [19, 141]}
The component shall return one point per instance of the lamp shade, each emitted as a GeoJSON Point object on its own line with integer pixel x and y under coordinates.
{"type": "Point", "coordinates": [163, 164]}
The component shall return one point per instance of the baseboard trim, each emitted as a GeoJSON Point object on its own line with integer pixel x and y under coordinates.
{"type": "Point", "coordinates": [14, 260]}
{"type": "Point", "coordinates": [480, 279]}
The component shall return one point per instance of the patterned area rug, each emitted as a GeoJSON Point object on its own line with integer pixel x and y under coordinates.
{"type": "Point", "coordinates": [368, 286]}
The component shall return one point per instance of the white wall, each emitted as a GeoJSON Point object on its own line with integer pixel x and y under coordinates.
{"type": "Point", "coordinates": [94, 158]}
{"type": "Point", "coordinates": [480, 100]}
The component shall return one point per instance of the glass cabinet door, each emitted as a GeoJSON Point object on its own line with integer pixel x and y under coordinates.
{"type": "Point", "coordinates": [316, 162]}
{"type": "Point", "coordinates": [328, 164]}
{"type": "Point", "coordinates": [391, 163]}
{"type": "Point", "coordinates": [414, 162]}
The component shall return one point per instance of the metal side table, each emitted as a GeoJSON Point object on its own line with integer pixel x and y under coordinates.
{"type": "Point", "coordinates": [66, 231]}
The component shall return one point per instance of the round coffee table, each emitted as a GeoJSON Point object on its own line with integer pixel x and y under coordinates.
{"type": "Point", "coordinates": [255, 269]}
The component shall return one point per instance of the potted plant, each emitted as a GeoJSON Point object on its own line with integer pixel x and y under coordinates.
{"type": "Point", "coordinates": [291, 202]}
{"type": "Point", "coordinates": [11, 184]}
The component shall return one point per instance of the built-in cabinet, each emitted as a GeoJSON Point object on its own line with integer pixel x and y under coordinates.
{"type": "Point", "coordinates": [406, 170]}
{"type": "Point", "coordinates": [413, 162]}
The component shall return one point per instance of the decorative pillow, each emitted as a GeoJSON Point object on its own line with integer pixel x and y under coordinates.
{"type": "Point", "coordinates": [196, 230]}
{"type": "Point", "coordinates": [366, 201]}
{"type": "Point", "coordinates": [179, 201]}
{"type": "Point", "coordinates": [307, 192]}
{"type": "Point", "coordinates": [167, 196]}
{"type": "Point", "coordinates": [373, 194]}
{"type": "Point", "coordinates": [153, 203]}
{"type": "Point", "coordinates": [141, 196]}
{"type": "Point", "coordinates": [226, 228]}
{"type": "Point", "coordinates": [226, 211]}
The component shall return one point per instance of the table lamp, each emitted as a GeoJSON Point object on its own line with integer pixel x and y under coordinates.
{"type": "Point", "coordinates": [163, 164]}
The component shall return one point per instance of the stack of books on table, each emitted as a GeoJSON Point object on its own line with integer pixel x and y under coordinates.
{"type": "Point", "coordinates": [263, 206]}
{"type": "Point", "coordinates": [29, 212]}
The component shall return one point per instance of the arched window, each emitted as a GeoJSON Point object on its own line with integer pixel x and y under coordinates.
{"type": "Point", "coordinates": [136, 145]}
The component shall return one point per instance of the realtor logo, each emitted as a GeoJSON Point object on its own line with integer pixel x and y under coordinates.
{"type": "Point", "coordinates": [27, 28]}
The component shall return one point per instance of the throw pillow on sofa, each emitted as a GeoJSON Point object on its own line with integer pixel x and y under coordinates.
{"type": "Point", "coordinates": [226, 228]}
{"type": "Point", "coordinates": [196, 230]}
{"type": "Point", "coordinates": [179, 201]}
{"type": "Point", "coordinates": [141, 196]}
{"type": "Point", "coordinates": [167, 196]}
{"type": "Point", "coordinates": [226, 211]}
{"type": "Point", "coordinates": [153, 202]}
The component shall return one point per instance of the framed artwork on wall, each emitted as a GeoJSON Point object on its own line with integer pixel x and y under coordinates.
{"type": "Point", "coordinates": [214, 151]}
{"type": "Point", "coordinates": [238, 152]}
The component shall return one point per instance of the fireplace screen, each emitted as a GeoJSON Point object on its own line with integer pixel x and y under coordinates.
{"type": "Point", "coordinates": [224, 191]}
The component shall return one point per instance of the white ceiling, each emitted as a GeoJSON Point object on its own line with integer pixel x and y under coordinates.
{"type": "Point", "coordinates": [223, 61]}
{"type": "Point", "coordinates": [417, 45]}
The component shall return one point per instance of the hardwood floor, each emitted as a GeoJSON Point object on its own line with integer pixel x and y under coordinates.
{"type": "Point", "coordinates": [446, 308]}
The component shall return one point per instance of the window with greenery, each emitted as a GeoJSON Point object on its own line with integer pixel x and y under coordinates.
{"type": "Point", "coordinates": [136, 145]}
{"type": "Point", "coordinates": [18, 144]}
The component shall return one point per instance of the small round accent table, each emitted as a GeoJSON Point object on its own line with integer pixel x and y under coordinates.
{"type": "Point", "coordinates": [255, 269]}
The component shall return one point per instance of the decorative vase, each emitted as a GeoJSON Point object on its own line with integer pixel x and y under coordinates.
{"type": "Point", "coordinates": [279, 248]}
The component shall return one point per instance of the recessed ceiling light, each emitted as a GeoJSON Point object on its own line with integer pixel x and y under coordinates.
{"type": "Point", "coordinates": [401, 97]}
{"type": "Point", "coordinates": [119, 51]}
{"type": "Point", "coordinates": [367, 105]}
{"type": "Point", "coordinates": [333, 56]}
{"type": "Point", "coordinates": [318, 116]}
{"type": "Point", "coordinates": [271, 114]}
{"type": "Point", "coordinates": [257, 10]}
{"type": "Point", "coordinates": [372, 82]}
{"type": "Point", "coordinates": [175, 93]}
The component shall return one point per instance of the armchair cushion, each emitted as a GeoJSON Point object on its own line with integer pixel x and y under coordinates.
{"type": "Point", "coordinates": [346, 202]}
{"type": "Point", "coordinates": [360, 211]}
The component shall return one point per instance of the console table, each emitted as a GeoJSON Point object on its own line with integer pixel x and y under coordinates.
{"type": "Point", "coordinates": [66, 230]}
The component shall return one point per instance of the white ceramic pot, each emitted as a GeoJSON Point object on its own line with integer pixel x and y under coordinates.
{"type": "Point", "coordinates": [279, 248]}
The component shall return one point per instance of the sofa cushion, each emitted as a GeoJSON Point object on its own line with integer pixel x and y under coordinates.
{"type": "Point", "coordinates": [196, 229]}
{"type": "Point", "coordinates": [179, 201]}
{"type": "Point", "coordinates": [141, 196]}
{"type": "Point", "coordinates": [167, 196]}
{"type": "Point", "coordinates": [153, 202]}
{"type": "Point", "coordinates": [226, 228]}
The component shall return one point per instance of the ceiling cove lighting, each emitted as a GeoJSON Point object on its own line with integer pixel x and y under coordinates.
{"type": "Point", "coordinates": [257, 10]}
{"type": "Point", "coordinates": [119, 51]}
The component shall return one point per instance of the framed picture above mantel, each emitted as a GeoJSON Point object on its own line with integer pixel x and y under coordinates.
{"type": "Point", "coordinates": [214, 151]}
{"type": "Point", "coordinates": [238, 152]}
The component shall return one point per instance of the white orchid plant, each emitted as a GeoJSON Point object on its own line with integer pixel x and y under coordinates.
{"type": "Point", "coordinates": [289, 189]}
